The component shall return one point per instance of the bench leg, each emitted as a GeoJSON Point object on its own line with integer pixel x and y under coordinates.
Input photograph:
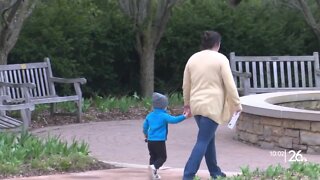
{"type": "Point", "coordinates": [26, 118]}
{"type": "Point", "coordinates": [2, 113]}
{"type": "Point", "coordinates": [79, 106]}
{"type": "Point", "coordinates": [53, 109]}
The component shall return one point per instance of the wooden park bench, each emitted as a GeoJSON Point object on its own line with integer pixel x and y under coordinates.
{"type": "Point", "coordinates": [262, 74]}
{"type": "Point", "coordinates": [22, 86]}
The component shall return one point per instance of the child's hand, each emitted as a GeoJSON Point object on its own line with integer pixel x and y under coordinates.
{"type": "Point", "coordinates": [187, 114]}
{"type": "Point", "coordinates": [145, 138]}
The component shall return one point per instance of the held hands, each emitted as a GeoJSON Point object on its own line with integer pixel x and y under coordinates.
{"type": "Point", "coordinates": [187, 111]}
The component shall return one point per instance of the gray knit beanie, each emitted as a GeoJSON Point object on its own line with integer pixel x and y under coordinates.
{"type": "Point", "coordinates": [159, 100]}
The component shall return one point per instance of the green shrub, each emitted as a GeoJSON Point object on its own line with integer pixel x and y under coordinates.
{"type": "Point", "coordinates": [296, 171]}
{"type": "Point", "coordinates": [24, 152]}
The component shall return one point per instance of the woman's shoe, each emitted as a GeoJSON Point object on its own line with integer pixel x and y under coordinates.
{"type": "Point", "coordinates": [220, 175]}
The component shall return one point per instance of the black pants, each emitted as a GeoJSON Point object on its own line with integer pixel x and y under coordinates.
{"type": "Point", "coordinates": [158, 153]}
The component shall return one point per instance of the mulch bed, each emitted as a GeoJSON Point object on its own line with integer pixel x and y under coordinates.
{"type": "Point", "coordinates": [28, 172]}
{"type": "Point", "coordinates": [44, 119]}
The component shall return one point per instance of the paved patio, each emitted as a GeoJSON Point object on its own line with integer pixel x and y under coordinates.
{"type": "Point", "coordinates": [122, 143]}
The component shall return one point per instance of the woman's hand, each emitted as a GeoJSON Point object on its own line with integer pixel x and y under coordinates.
{"type": "Point", "coordinates": [187, 111]}
{"type": "Point", "coordinates": [238, 108]}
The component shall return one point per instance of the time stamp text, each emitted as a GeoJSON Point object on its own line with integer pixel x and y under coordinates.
{"type": "Point", "coordinates": [289, 155]}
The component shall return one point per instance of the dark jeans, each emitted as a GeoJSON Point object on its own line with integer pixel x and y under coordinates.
{"type": "Point", "coordinates": [205, 146]}
{"type": "Point", "coordinates": [158, 153]}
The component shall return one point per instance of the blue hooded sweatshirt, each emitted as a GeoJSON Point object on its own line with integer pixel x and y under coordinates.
{"type": "Point", "coordinates": [155, 126]}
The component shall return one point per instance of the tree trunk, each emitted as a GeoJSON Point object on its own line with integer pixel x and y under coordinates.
{"type": "Point", "coordinates": [12, 17]}
{"type": "Point", "coordinates": [147, 72]}
{"type": "Point", "coordinates": [3, 57]}
{"type": "Point", "coordinates": [309, 16]}
{"type": "Point", "coordinates": [150, 18]}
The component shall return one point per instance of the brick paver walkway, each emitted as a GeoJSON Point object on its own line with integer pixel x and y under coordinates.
{"type": "Point", "coordinates": [123, 142]}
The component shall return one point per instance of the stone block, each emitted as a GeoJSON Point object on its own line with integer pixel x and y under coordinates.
{"type": "Point", "coordinates": [288, 123]}
{"type": "Point", "coordinates": [306, 125]}
{"type": "Point", "coordinates": [275, 138]}
{"type": "Point", "coordinates": [258, 128]}
{"type": "Point", "coordinates": [271, 121]}
{"type": "Point", "coordinates": [285, 142]}
{"type": "Point", "coordinates": [315, 126]}
{"type": "Point", "coordinates": [247, 126]}
{"type": "Point", "coordinates": [275, 130]}
{"type": "Point", "coordinates": [298, 147]}
{"type": "Point", "coordinates": [292, 133]}
{"type": "Point", "coordinates": [255, 128]}
{"type": "Point", "coordinates": [313, 150]}
{"type": "Point", "coordinates": [296, 140]}
{"type": "Point", "coordinates": [267, 133]}
{"type": "Point", "coordinates": [240, 126]}
{"type": "Point", "coordinates": [248, 117]}
{"type": "Point", "coordinates": [266, 145]}
{"type": "Point", "coordinates": [252, 138]}
{"type": "Point", "coordinates": [295, 124]}
{"type": "Point", "coordinates": [310, 138]}
{"type": "Point", "coordinates": [251, 117]}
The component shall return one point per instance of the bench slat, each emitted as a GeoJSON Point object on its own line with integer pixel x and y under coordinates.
{"type": "Point", "coordinates": [34, 92]}
{"type": "Point", "coordinates": [275, 74]}
{"type": "Point", "coordinates": [54, 99]}
{"type": "Point", "coordinates": [254, 74]}
{"type": "Point", "coordinates": [9, 122]}
{"type": "Point", "coordinates": [45, 76]}
{"type": "Point", "coordinates": [18, 92]}
{"type": "Point", "coordinates": [247, 70]}
{"type": "Point", "coordinates": [296, 74]}
{"type": "Point", "coordinates": [282, 71]}
{"type": "Point", "coordinates": [309, 70]}
{"type": "Point", "coordinates": [303, 74]}
{"type": "Point", "coordinates": [41, 79]}
{"type": "Point", "coordinates": [240, 70]}
{"type": "Point", "coordinates": [10, 78]}
{"type": "Point", "coordinates": [261, 67]}
{"type": "Point", "coordinates": [37, 82]}
{"type": "Point", "coordinates": [289, 74]}
{"type": "Point", "coordinates": [268, 75]}
{"type": "Point", "coordinates": [316, 68]}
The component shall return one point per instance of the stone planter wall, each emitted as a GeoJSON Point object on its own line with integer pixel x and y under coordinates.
{"type": "Point", "coordinates": [279, 133]}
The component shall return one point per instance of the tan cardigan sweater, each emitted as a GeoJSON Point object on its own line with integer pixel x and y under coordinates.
{"type": "Point", "coordinates": [208, 86]}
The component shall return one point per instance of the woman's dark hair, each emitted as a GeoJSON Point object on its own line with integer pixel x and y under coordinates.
{"type": "Point", "coordinates": [210, 39]}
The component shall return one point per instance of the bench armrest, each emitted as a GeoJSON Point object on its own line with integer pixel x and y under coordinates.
{"type": "Point", "coordinates": [69, 80]}
{"type": "Point", "coordinates": [4, 98]}
{"type": "Point", "coordinates": [18, 85]}
{"type": "Point", "coordinates": [25, 90]}
{"type": "Point", "coordinates": [13, 107]}
{"type": "Point", "coordinates": [241, 74]}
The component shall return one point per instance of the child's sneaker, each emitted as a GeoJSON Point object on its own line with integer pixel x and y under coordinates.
{"type": "Point", "coordinates": [153, 173]}
{"type": "Point", "coordinates": [156, 176]}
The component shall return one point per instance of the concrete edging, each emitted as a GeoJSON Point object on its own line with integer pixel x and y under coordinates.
{"type": "Point", "coordinates": [264, 105]}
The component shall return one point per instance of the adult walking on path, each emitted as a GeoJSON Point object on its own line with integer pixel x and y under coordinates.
{"type": "Point", "coordinates": [210, 94]}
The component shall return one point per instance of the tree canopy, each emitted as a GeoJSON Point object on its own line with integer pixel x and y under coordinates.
{"type": "Point", "coordinates": [96, 40]}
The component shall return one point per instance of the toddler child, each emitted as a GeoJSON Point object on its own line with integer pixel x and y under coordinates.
{"type": "Point", "coordinates": [155, 129]}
